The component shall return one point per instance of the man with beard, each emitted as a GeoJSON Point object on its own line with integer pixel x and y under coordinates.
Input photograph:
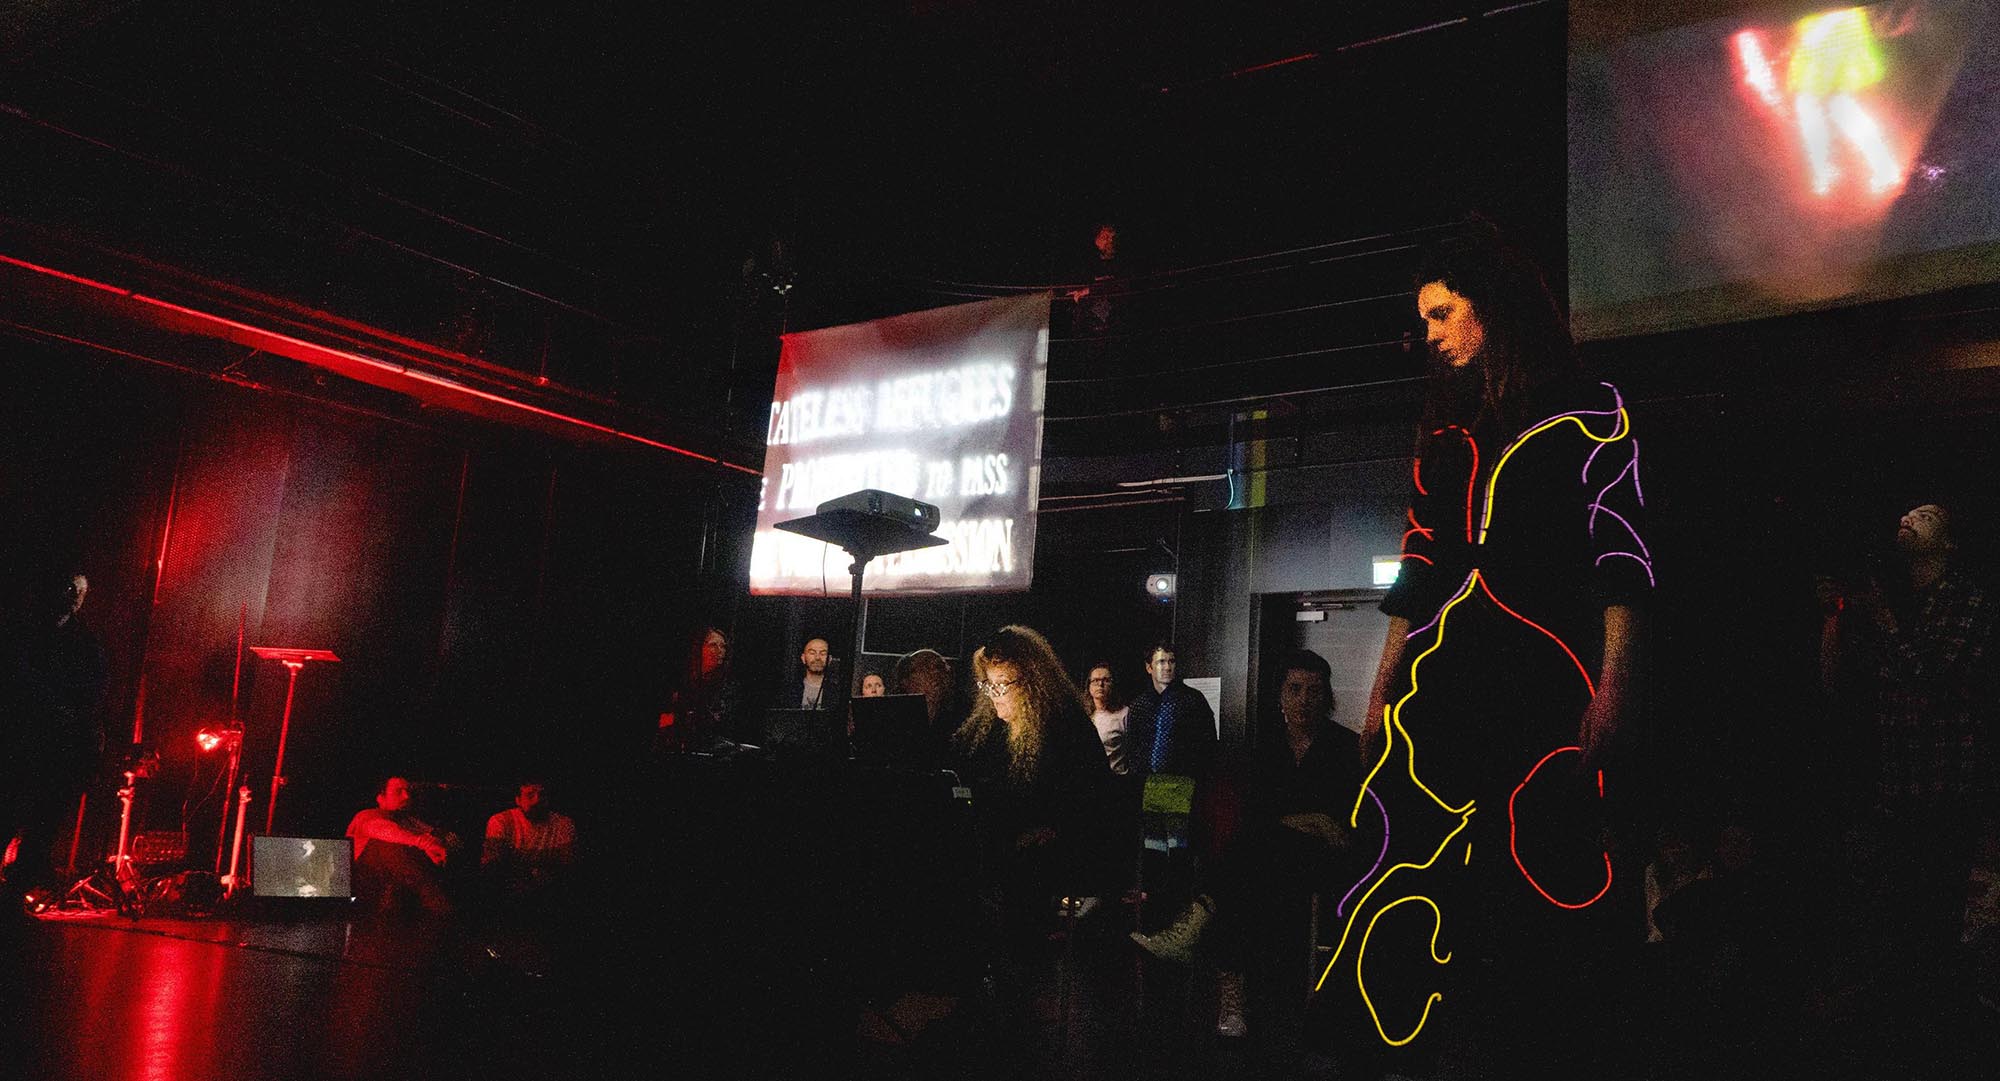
{"type": "Point", "coordinates": [528, 845]}
{"type": "Point", "coordinates": [1918, 656]}
{"type": "Point", "coordinates": [809, 691]}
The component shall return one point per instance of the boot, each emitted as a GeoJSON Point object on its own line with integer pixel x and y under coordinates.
{"type": "Point", "coordinates": [1177, 940]}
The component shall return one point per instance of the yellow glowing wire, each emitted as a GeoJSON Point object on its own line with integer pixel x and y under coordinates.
{"type": "Point", "coordinates": [1493, 482]}
{"type": "Point", "coordinates": [1463, 821]}
{"type": "Point", "coordinates": [1392, 718]}
{"type": "Point", "coordinates": [1362, 982]}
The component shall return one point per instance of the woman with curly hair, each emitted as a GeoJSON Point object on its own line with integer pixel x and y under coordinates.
{"type": "Point", "coordinates": [1043, 793]}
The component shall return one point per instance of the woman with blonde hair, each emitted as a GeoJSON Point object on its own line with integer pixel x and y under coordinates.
{"type": "Point", "coordinates": [1043, 793]}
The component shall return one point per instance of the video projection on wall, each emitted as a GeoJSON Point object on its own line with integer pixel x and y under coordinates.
{"type": "Point", "coordinates": [943, 406]}
{"type": "Point", "coordinates": [1770, 159]}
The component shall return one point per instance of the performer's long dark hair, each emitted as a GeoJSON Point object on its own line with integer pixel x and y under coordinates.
{"type": "Point", "coordinates": [1527, 337]}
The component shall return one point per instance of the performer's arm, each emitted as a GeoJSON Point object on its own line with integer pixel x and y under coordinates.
{"type": "Point", "coordinates": [1378, 696]}
{"type": "Point", "coordinates": [1615, 682]}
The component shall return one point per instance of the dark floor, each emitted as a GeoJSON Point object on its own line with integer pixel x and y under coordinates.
{"type": "Point", "coordinates": [294, 996]}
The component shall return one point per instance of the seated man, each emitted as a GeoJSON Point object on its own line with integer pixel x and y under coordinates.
{"type": "Point", "coordinates": [397, 854]}
{"type": "Point", "coordinates": [527, 845]}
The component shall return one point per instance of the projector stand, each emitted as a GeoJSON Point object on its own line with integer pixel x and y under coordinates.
{"type": "Point", "coordinates": [862, 536]}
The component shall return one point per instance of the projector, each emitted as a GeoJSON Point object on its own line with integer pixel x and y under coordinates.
{"type": "Point", "coordinates": [886, 505]}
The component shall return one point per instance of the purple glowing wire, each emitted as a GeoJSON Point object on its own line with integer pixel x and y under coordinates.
{"type": "Point", "coordinates": [1648, 566]}
{"type": "Point", "coordinates": [1589, 461]}
{"type": "Point", "coordinates": [1606, 490]}
{"type": "Point", "coordinates": [1434, 619]}
{"type": "Point", "coordinates": [1636, 490]}
{"type": "Point", "coordinates": [1341, 909]}
{"type": "Point", "coordinates": [1636, 538]}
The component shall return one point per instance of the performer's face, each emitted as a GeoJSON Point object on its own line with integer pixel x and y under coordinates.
{"type": "Point", "coordinates": [1451, 327]}
{"type": "Point", "coordinates": [814, 657]}
{"type": "Point", "coordinates": [1161, 668]}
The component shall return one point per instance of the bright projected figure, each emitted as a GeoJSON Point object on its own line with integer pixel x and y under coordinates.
{"type": "Point", "coordinates": [1834, 58]}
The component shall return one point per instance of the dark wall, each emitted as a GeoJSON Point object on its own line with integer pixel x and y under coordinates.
{"type": "Point", "coordinates": [499, 601]}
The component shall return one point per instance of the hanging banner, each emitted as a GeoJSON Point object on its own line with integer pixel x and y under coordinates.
{"type": "Point", "coordinates": [943, 406]}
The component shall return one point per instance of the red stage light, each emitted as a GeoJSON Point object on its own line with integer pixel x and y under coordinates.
{"type": "Point", "coordinates": [213, 736]}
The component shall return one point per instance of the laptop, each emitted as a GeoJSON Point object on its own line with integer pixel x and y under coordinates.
{"type": "Point", "coordinates": [805, 732]}
{"type": "Point", "coordinates": [893, 730]}
{"type": "Point", "coordinates": [302, 867]}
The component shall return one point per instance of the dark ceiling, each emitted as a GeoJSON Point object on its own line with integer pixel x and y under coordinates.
{"type": "Point", "coordinates": [604, 197]}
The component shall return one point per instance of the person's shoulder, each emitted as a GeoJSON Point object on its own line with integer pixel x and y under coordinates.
{"type": "Point", "coordinates": [366, 814]}
{"type": "Point", "coordinates": [1576, 393]}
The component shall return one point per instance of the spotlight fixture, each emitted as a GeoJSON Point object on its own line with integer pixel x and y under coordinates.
{"type": "Point", "coordinates": [219, 735]}
{"type": "Point", "coordinates": [1161, 587]}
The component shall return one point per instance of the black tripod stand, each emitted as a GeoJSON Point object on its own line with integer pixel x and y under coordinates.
{"type": "Point", "coordinates": [862, 536]}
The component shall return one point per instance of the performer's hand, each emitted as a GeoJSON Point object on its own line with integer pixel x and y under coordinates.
{"type": "Point", "coordinates": [435, 850]}
{"type": "Point", "coordinates": [1598, 731]}
{"type": "Point", "coordinates": [1316, 825]}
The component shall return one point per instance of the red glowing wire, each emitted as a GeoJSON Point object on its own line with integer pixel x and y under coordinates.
{"type": "Point", "coordinates": [1587, 682]}
{"type": "Point", "coordinates": [1513, 829]}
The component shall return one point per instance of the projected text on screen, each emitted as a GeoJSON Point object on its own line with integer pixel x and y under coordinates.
{"type": "Point", "coordinates": [943, 406]}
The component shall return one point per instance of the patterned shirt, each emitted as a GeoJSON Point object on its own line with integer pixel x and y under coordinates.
{"type": "Point", "coordinates": [1934, 698]}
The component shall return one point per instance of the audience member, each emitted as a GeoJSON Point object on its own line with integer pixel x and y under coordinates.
{"type": "Point", "coordinates": [703, 710]}
{"type": "Point", "coordinates": [1919, 654]}
{"type": "Point", "coordinates": [398, 855]}
{"type": "Point", "coordinates": [51, 693]}
{"type": "Point", "coordinates": [1278, 834]}
{"type": "Point", "coordinates": [528, 846]}
{"type": "Point", "coordinates": [1171, 727]}
{"type": "Point", "coordinates": [872, 686]}
{"type": "Point", "coordinates": [1045, 798]}
{"type": "Point", "coordinates": [927, 673]}
{"type": "Point", "coordinates": [1111, 717]}
{"type": "Point", "coordinates": [809, 690]}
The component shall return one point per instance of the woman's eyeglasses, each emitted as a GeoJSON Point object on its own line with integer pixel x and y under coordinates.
{"type": "Point", "coordinates": [996, 688]}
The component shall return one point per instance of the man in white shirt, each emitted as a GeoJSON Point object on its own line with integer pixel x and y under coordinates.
{"type": "Point", "coordinates": [397, 853]}
{"type": "Point", "coordinates": [528, 844]}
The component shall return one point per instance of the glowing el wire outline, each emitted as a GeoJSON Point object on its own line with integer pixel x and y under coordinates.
{"type": "Point", "coordinates": [1392, 718]}
{"type": "Point", "coordinates": [1471, 477]}
{"type": "Point", "coordinates": [1623, 429]}
{"type": "Point", "coordinates": [1392, 714]}
{"type": "Point", "coordinates": [1362, 982]}
{"type": "Point", "coordinates": [1341, 908]}
{"type": "Point", "coordinates": [1513, 829]}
